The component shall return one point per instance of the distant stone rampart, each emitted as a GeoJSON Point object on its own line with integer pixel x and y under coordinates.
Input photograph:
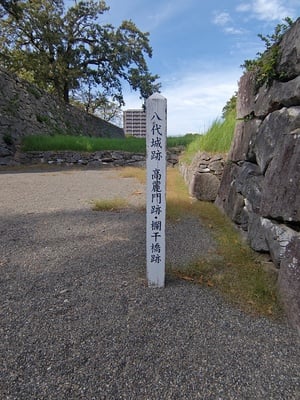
{"type": "Point", "coordinates": [27, 110]}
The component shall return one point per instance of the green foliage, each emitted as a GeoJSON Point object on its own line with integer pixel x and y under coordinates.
{"type": "Point", "coordinates": [265, 65]}
{"type": "Point", "coordinates": [59, 49]}
{"type": "Point", "coordinates": [43, 118]}
{"type": "Point", "coordinates": [7, 138]}
{"type": "Point", "coordinates": [12, 105]}
{"type": "Point", "coordinates": [115, 204]}
{"type": "Point", "coordinates": [229, 107]}
{"type": "Point", "coordinates": [97, 103]}
{"type": "Point", "coordinates": [178, 141]}
{"type": "Point", "coordinates": [217, 139]}
{"type": "Point", "coordinates": [34, 91]}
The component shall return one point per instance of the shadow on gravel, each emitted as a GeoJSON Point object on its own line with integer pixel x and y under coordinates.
{"type": "Point", "coordinates": [78, 322]}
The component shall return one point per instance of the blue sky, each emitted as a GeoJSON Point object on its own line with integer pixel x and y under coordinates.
{"type": "Point", "coordinates": [198, 47]}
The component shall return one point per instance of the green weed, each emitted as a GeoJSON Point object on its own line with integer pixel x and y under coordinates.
{"type": "Point", "coordinates": [217, 139]}
{"type": "Point", "coordinates": [115, 204]}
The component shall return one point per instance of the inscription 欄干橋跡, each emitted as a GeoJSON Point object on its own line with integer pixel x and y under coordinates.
{"type": "Point", "coordinates": [156, 109]}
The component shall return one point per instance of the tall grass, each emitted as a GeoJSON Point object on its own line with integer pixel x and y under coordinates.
{"type": "Point", "coordinates": [217, 139]}
{"type": "Point", "coordinates": [177, 141]}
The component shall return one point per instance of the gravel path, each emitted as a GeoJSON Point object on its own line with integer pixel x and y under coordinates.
{"type": "Point", "coordinates": [78, 322]}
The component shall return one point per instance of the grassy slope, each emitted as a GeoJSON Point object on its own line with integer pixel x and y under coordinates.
{"type": "Point", "coordinates": [217, 139]}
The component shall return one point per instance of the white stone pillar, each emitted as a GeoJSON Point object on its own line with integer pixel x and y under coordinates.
{"type": "Point", "coordinates": [156, 114]}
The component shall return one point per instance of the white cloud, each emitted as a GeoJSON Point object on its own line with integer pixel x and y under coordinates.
{"type": "Point", "coordinates": [243, 7]}
{"type": "Point", "coordinates": [195, 100]}
{"type": "Point", "coordinates": [233, 31]}
{"type": "Point", "coordinates": [225, 21]}
{"type": "Point", "coordinates": [222, 18]}
{"type": "Point", "coordinates": [267, 10]}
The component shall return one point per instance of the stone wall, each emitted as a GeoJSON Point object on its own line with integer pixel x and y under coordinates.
{"type": "Point", "coordinates": [72, 158]}
{"type": "Point", "coordinates": [203, 175]}
{"type": "Point", "coordinates": [89, 159]}
{"type": "Point", "coordinates": [26, 110]}
{"type": "Point", "coordinates": [260, 185]}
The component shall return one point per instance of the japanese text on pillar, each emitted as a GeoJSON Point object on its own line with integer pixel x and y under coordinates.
{"type": "Point", "coordinates": [156, 191]}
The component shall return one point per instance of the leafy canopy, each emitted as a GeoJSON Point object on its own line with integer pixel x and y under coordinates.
{"type": "Point", "coordinates": [61, 49]}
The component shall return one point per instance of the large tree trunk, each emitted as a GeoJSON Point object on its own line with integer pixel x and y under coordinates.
{"type": "Point", "coordinates": [66, 93]}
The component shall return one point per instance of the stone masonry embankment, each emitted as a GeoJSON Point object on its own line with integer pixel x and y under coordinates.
{"type": "Point", "coordinates": [260, 186]}
{"type": "Point", "coordinates": [89, 159]}
{"type": "Point", "coordinates": [27, 110]}
{"type": "Point", "coordinates": [203, 175]}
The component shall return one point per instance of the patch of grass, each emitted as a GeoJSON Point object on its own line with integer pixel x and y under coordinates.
{"type": "Point", "coordinates": [7, 138]}
{"type": "Point", "coordinates": [179, 203]}
{"type": "Point", "coordinates": [12, 105]}
{"type": "Point", "coordinates": [43, 118]}
{"type": "Point", "coordinates": [58, 141]}
{"type": "Point", "coordinates": [178, 141]}
{"type": "Point", "coordinates": [217, 139]}
{"type": "Point", "coordinates": [134, 172]}
{"type": "Point", "coordinates": [34, 91]}
{"type": "Point", "coordinates": [81, 143]}
{"type": "Point", "coordinates": [115, 204]}
{"type": "Point", "coordinates": [235, 270]}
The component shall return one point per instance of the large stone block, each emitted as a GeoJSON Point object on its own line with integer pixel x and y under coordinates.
{"type": "Point", "coordinates": [256, 233]}
{"type": "Point", "coordinates": [270, 136]}
{"type": "Point", "coordinates": [249, 183]}
{"type": "Point", "coordinates": [244, 136]}
{"type": "Point", "coordinates": [278, 236]}
{"type": "Point", "coordinates": [238, 212]}
{"type": "Point", "coordinates": [246, 93]}
{"type": "Point", "coordinates": [289, 63]}
{"type": "Point", "coordinates": [204, 186]}
{"type": "Point", "coordinates": [227, 184]}
{"type": "Point", "coordinates": [280, 197]}
{"type": "Point", "coordinates": [280, 94]}
{"type": "Point", "coordinates": [289, 282]}
{"type": "Point", "coordinates": [228, 198]}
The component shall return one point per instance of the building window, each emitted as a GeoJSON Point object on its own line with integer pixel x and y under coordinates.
{"type": "Point", "coordinates": [134, 122]}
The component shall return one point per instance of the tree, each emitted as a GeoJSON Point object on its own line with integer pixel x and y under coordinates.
{"type": "Point", "coordinates": [230, 106]}
{"type": "Point", "coordinates": [58, 49]}
{"type": "Point", "coordinates": [97, 103]}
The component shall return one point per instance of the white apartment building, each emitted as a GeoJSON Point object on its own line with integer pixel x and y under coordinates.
{"type": "Point", "coordinates": [134, 122]}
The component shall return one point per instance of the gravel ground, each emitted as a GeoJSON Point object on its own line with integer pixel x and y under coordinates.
{"type": "Point", "coordinates": [78, 322]}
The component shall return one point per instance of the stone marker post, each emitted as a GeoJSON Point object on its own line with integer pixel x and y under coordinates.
{"type": "Point", "coordinates": [156, 117]}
